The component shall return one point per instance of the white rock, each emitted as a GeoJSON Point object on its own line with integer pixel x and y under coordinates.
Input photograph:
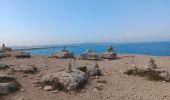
{"type": "Point", "coordinates": [48, 88]}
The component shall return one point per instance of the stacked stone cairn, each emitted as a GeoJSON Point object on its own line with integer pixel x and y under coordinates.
{"type": "Point", "coordinates": [109, 54]}
{"type": "Point", "coordinates": [63, 54]}
{"type": "Point", "coordinates": [89, 55]}
{"type": "Point", "coordinates": [5, 51]}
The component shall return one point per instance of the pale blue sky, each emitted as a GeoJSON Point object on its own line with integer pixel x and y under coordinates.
{"type": "Point", "coordinates": [36, 22]}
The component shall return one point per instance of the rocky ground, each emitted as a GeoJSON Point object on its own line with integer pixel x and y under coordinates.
{"type": "Point", "coordinates": [113, 85]}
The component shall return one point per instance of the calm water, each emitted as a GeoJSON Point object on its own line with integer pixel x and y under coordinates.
{"type": "Point", "coordinates": [155, 49]}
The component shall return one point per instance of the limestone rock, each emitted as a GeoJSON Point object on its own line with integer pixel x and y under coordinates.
{"type": "Point", "coordinates": [90, 70]}
{"type": "Point", "coordinates": [26, 69]}
{"type": "Point", "coordinates": [151, 72]}
{"type": "Point", "coordinates": [21, 54]}
{"type": "Point", "coordinates": [48, 88]}
{"type": "Point", "coordinates": [8, 84]}
{"type": "Point", "coordinates": [64, 80]}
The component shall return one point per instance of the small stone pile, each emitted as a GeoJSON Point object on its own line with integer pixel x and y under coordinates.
{"type": "Point", "coordinates": [8, 84]}
{"type": "Point", "coordinates": [89, 55]}
{"type": "Point", "coordinates": [5, 49]}
{"type": "Point", "coordinates": [151, 71]}
{"type": "Point", "coordinates": [63, 54]}
{"type": "Point", "coordinates": [109, 54]}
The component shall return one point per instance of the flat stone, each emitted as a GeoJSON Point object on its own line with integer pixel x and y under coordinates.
{"type": "Point", "coordinates": [48, 88]}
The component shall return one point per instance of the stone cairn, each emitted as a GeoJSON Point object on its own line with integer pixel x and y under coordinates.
{"type": "Point", "coordinates": [69, 69]}
{"type": "Point", "coordinates": [110, 49]}
{"type": "Point", "coordinates": [63, 54]}
{"type": "Point", "coordinates": [5, 49]}
{"type": "Point", "coordinates": [152, 64]}
{"type": "Point", "coordinates": [109, 54]}
{"type": "Point", "coordinates": [89, 55]}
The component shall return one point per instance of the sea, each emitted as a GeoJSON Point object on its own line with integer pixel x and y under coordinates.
{"type": "Point", "coordinates": [145, 48]}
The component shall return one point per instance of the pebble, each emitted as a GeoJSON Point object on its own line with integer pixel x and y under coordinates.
{"type": "Point", "coordinates": [81, 95]}
{"type": "Point", "coordinates": [95, 90]}
{"type": "Point", "coordinates": [83, 90]}
{"type": "Point", "coordinates": [97, 77]}
{"type": "Point", "coordinates": [48, 88]}
{"type": "Point", "coordinates": [22, 90]}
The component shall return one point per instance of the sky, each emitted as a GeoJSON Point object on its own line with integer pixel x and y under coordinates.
{"type": "Point", "coordinates": [41, 22]}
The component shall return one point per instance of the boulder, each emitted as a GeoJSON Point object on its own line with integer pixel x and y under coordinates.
{"type": "Point", "coordinates": [89, 55]}
{"type": "Point", "coordinates": [63, 54]}
{"type": "Point", "coordinates": [5, 49]}
{"type": "Point", "coordinates": [26, 69]}
{"type": "Point", "coordinates": [8, 84]}
{"type": "Point", "coordinates": [90, 70]}
{"type": "Point", "coordinates": [3, 66]}
{"type": "Point", "coordinates": [93, 70]}
{"type": "Point", "coordinates": [22, 54]}
{"type": "Point", "coordinates": [72, 80]}
{"type": "Point", "coordinates": [151, 72]}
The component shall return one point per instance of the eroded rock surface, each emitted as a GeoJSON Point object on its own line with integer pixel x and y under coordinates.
{"type": "Point", "coordinates": [69, 79]}
{"type": "Point", "coordinates": [8, 84]}
{"type": "Point", "coordinates": [151, 71]}
{"type": "Point", "coordinates": [26, 69]}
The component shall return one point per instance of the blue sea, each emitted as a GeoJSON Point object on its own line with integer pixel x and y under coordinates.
{"type": "Point", "coordinates": [147, 48]}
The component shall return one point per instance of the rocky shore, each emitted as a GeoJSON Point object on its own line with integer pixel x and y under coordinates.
{"type": "Point", "coordinates": [90, 76]}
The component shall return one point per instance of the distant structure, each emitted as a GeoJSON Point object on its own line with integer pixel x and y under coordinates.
{"type": "Point", "coordinates": [5, 49]}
